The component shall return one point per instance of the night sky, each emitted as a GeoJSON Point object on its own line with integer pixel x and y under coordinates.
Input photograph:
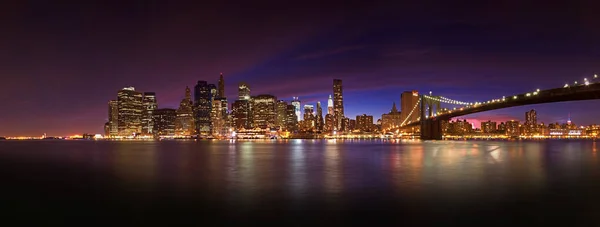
{"type": "Point", "coordinates": [61, 63]}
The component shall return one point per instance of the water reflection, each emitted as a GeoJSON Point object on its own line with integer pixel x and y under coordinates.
{"type": "Point", "coordinates": [332, 171]}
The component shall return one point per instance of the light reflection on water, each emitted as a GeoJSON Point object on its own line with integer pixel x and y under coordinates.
{"type": "Point", "coordinates": [249, 172]}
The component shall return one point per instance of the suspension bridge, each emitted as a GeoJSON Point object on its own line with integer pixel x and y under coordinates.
{"type": "Point", "coordinates": [430, 115]}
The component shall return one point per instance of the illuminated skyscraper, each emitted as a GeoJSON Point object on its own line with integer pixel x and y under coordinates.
{"type": "Point", "coordinates": [164, 122]}
{"type": "Point", "coordinates": [113, 116]}
{"type": "Point", "coordinates": [281, 113]}
{"type": "Point", "coordinates": [241, 115]}
{"type": "Point", "coordinates": [408, 102]}
{"type": "Point", "coordinates": [338, 104]}
{"type": "Point", "coordinates": [264, 111]}
{"type": "Point", "coordinates": [530, 125]}
{"type": "Point", "coordinates": [319, 121]}
{"type": "Point", "coordinates": [221, 91]}
{"type": "Point", "coordinates": [291, 121]}
{"type": "Point", "coordinates": [309, 117]}
{"type": "Point", "coordinates": [243, 91]}
{"type": "Point", "coordinates": [392, 119]}
{"type": "Point", "coordinates": [184, 123]}
{"type": "Point", "coordinates": [330, 105]}
{"type": "Point", "coordinates": [329, 123]}
{"type": "Point", "coordinates": [203, 96]}
{"type": "Point", "coordinates": [218, 120]}
{"type": "Point", "coordinates": [149, 106]}
{"type": "Point", "coordinates": [296, 103]}
{"type": "Point", "coordinates": [130, 110]}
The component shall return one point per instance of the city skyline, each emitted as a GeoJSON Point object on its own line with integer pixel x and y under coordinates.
{"type": "Point", "coordinates": [64, 75]}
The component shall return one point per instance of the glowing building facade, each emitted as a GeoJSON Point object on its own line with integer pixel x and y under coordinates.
{"type": "Point", "coordinates": [296, 104]}
{"type": "Point", "coordinates": [184, 122]}
{"type": "Point", "coordinates": [338, 104]}
{"type": "Point", "coordinates": [130, 110]}
{"type": "Point", "coordinates": [150, 104]}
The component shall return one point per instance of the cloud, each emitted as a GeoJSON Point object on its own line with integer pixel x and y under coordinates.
{"type": "Point", "coordinates": [329, 52]}
{"type": "Point", "coordinates": [409, 52]}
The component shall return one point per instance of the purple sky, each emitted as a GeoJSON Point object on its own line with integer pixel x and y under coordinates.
{"type": "Point", "coordinates": [62, 63]}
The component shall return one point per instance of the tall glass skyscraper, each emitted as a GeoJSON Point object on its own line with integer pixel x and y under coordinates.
{"type": "Point", "coordinates": [338, 104]}
{"type": "Point", "coordinates": [203, 96]}
{"type": "Point", "coordinates": [150, 105]}
{"type": "Point", "coordinates": [296, 104]}
{"type": "Point", "coordinates": [130, 108]}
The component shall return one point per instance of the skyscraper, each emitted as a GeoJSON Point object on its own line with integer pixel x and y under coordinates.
{"type": "Point", "coordinates": [281, 113]}
{"type": "Point", "coordinates": [243, 91]}
{"type": "Point", "coordinates": [221, 91]}
{"type": "Point", "coordinates": [392, 119]}
{"type": "Point", "coordinates": [218, 120]}
{"type": "Point", "coordinates": [338, 104]}
{"type": "Point", "coordinates": [164, 122]}
{"type": "Point", "coordinates": [296, 103]}
{"type": "Point", "coordinates": [184, 123]}
{"type": "Point", "coordinates": [264, 111]}
{"type": "Point", "coordinates": [319, 122]}
{"type": "Point", "coordinates": [329, 122]}
{"type": "Point", "coordinates": [531, 117]}
{"type": "Point", "coordinates": [113, 116]}
{"type": "Point", "coordinates": [530, 126]}
{"type": "Point", "coordinates": [203, 96]}
{"type": "Point", "coordinates": [241, 114]}
{"type": "Point", "coordinates": [309, 117]}
{"type": "Point", "coordinates": [408, 101]}
{"type": "Point", "coordinates": [149, 106]}
{"type": "Point", "coordinates": [330, 105]}
{"type": "Point", "coordinates": [130, 110]}
{"type": "Point", "coordinates": [291, 121]}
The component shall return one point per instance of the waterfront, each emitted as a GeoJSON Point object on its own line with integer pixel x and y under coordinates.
{"type": "Point", "coordinates": [302, 181]}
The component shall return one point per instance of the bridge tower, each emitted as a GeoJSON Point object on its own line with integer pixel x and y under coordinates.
{"type": "Point", "coordinates": [431, 127]}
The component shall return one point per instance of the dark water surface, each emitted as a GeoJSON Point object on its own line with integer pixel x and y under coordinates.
{"type": "Point", "coordinates": [297, 182]}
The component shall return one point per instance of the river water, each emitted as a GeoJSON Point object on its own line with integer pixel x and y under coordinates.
{"type": "Point", "coordinates": [299, 182]}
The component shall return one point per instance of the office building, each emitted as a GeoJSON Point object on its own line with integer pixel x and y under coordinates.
{"type": "Point", "coordinates": [281, 113]}
{"type": "Point", "coordinates": [338, 104]}
{"type": "Point", "coordinates": [203, 96]}
{"type": "Point", "coordinates": [513, 128]}
{"type": "Point", "coordinates": [309, 118]}
{"type": "Point", "coordinates": [291, 122]}
{"type": "Point", "coordinates": [221, 91]}
{"type": "Point", "coordinates": [241, 114]}
{"type": "Point", "coordinates": [319, 121]}
{"type": "Point", "coordinates": [364, 123]}
{"type": "Point", "coordinates": [113, 116]}
{"type": "Point", "coordinates": [329, 123]}
{"type": "Point", "coordinates": [218, 119]}
{"type": "Point", "coordinates": [243, 91]}
{"type": "Point", "coordinates": [130, 110]}
{"type": "Point", "coordinates": [149, 102]}
{"type": "Point", "coordinates": [264, 111]}
{"type": "Point", "coordinates": [408, 101]}
{"type": "Point", "coordinates": [184, 121]}
{"type": "Point", "coordinates": [352, 125]}
{"type": "Point", "coordinates": [164, 122]}
{"type": "Point", "coordinates": [488, 127]}
{"type": "Point", "coordinates": [296, 103]}
{"type": "Point", "coordinates": [391, 120]}
{"type": "Point", "coordinates": [530, 127]}
{"type": "Point", "coordinates": [330, 105]}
